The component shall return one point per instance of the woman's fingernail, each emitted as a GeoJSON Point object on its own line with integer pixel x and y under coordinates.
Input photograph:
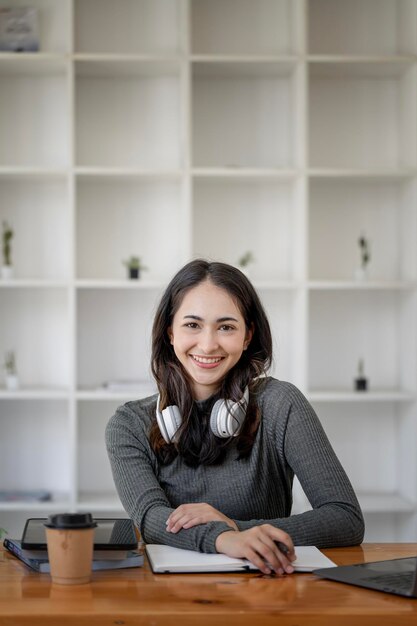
{"type": "Point", "coordinates": [289, 569]}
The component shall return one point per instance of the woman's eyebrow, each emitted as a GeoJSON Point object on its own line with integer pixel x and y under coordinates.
{"type": "Point", "coordinates": [218, 321]}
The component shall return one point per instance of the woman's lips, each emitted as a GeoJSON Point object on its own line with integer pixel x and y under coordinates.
{"type": "Point", "coordinates": [206, 362]}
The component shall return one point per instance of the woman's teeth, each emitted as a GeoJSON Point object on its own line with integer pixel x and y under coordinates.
{"type": "Point", "coordinates": [201, 359]}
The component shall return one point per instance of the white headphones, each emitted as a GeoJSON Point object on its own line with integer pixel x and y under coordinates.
{"type": "Point", "coordinates": [226, 418]}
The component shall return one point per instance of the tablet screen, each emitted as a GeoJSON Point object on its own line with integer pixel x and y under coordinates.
{"type": "Point", "coordinates": [110, 534]}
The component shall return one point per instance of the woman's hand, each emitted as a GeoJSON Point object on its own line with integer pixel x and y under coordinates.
{"type": "Point", "coordinates": [189, 515]}
{"type": "Point", "coordinates": [258, 545]}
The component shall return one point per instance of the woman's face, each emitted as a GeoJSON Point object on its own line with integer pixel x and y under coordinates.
{"type": "Point", "coordinates": [208, 334]}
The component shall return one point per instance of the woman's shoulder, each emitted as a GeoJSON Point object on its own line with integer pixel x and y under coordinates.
{"type": "Point", "coordinates": [135, 415]}
{"type": "Point", "coordinates": [273, 390]}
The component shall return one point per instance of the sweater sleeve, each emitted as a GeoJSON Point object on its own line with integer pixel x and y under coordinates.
{"type": "Point", "coordinates": [336, 518]}
{"type": "Point", "coordinates": [134, 474]}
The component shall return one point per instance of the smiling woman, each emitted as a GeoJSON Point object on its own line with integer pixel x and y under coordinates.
{"type": "Point", "coordinates": [208, 464]}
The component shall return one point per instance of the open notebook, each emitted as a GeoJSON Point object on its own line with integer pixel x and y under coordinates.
{"type": "Point", "coordinates": [167, 560]}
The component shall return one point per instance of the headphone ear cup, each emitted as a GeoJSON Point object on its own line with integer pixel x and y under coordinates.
{"type": "Point", "coordinates": [169, 420]}
{"type": "Point", "coordinates": [172, 419]}
{"type": "Point", "coordinates": [227, 418]}
{"type": "Point", "coordinates": [217, 422]}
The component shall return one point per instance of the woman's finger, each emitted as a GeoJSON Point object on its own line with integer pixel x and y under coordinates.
{"type": "Point", "coordinates": [177, 524]}
{"type": "Point", "coordinates": [252, 556]}
{"type": "Point", "coordinates": [273, 556]}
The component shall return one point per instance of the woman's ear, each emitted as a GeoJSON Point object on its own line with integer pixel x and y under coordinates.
{"type": "Point", "coordinates": [248, 337]}
{"type": "Point", "coordinates": [170, 334]}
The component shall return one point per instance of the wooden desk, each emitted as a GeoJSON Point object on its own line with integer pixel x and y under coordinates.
{"type": "Point", "coordinates": [136, 596]}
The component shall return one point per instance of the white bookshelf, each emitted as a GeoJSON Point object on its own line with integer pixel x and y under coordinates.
{"type": "Point", "coordinates": [171, 129]}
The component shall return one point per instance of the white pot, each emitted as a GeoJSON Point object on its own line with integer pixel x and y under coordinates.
{"type": "Point", "coordinates": [7, 272]}
{"type": "Point", "coordinates": [12, 382]}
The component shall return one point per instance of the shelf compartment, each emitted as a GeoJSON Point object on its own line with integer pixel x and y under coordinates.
{"type": "Point", "coordinates": [141, 106]}
{"type": "Point", "coordinates": [384, 212]}
{"type": "Point", "coordinates": [244, 27]}
{"type": "Point", "coordinates": [363, 431]}
{"type": "Point", "coordinates": [54, 25]}
{"type": "Point", "coordinates": [376, 102]}
{"type": "Point", "coordinates": [128, 26]}
{"type": "Point", "coordinates": [282, 308]}
{"type": "Point", "coordinates": [37, 210]}
{"type": "Point", "coordinates": [34, 450]}
{"type": "Point", "coordinates": [126, 217]}
{"type": "Point", "coordinates": [347, 326]}
{"type": "Point", "coordinates": [95, 478]}
{"type": "Point", "coordinates": [34, 120]}
{"type": "Point", "coordinates": [259, 210]}
{"type": "Point", "coordinates": [113, 335]}
{"type": "Point", "coordinates": [362, 27]}
{"type": "Point", "coordinates": [35, 325]}
{"type": "Point", "coordinates": [244, 115]}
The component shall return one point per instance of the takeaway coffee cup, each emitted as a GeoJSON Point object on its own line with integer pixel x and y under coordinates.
{"type": "Point", "coordinates": [70, 541]}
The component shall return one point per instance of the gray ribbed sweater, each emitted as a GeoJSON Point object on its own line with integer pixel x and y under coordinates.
{"type": "Point", "coordinates": [290, 440]}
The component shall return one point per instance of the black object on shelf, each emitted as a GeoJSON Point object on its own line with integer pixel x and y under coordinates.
{"type": "Point", "coordinates": [361, 384]}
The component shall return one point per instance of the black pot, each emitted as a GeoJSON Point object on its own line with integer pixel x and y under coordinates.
{"type": "Point", "coordinates": [361, 384]}
{"type": "Point", "coordinates": [134, 272]}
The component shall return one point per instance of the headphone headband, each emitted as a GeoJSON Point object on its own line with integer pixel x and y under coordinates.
{"type": "Point", "coordinates": [226, 418]}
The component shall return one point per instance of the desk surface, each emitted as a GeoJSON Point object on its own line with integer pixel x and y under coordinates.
{"type": "Point", "coordinates": [137, 596]}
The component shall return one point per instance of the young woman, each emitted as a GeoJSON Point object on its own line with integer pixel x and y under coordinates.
{"type": "Point", "coordinates": [208, 463]}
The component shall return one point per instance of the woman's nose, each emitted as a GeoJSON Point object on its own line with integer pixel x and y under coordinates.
{"type": "Point", "coordinates": [208, 341]}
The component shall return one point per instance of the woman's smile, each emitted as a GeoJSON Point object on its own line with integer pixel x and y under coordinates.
{"type": "Point", "coordinates": [206, 362]}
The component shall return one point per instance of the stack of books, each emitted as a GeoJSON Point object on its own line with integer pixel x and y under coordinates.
{"type": "Point", "coordinates": [102, 559]}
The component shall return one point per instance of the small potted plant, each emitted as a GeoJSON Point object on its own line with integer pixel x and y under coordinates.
{"type": "Point", "coordinates": [12, 380]}
{"type": "Point", "coordinates": [361, 382]}
{"type": "Point", "coordinates": [7, 236]}
{"type": "Point", "coordinates": [245, 261]}
{"type": "Point", "coordinates": [365, 257]}
{"type": "Point", "coordinates": [134, 266]}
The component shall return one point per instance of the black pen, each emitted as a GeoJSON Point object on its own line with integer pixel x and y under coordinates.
{"type": "Point", "coordinates": [282, 547]}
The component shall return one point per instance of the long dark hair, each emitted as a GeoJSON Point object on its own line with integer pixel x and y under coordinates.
{"type": "Point", "coordinates": [196, 444]}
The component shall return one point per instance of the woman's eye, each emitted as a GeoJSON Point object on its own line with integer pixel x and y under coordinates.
{"type": "Point", "coordinates": [191, 325]}
{"type": "Point", "coordinates": [227, 327]}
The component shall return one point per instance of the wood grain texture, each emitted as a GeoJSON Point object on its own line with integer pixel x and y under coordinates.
{"type": "Point", "coordinates": [138, 597]}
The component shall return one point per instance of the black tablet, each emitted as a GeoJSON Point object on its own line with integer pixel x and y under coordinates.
{"type": "Point", "coordinates": [110, 534]}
